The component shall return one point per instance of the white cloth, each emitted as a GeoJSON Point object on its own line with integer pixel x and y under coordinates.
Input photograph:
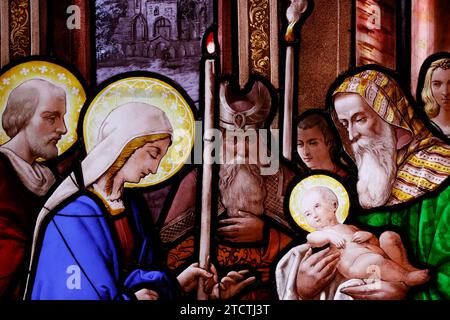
{"type": "Point", "coordinates": [349, 283]}
{"type": "Point", "coordinates": [122, 125]}
{"type": "Point", "coordinates": [286, 278]}
{"type": "Point", "coordinates": [35, 177]}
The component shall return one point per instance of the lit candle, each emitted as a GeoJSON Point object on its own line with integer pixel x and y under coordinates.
{"type": "Point", "coordinates": [208, 125]}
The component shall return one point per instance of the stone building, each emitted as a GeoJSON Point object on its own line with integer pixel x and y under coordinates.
{"type": "Point", "coordinates": [167, 29]}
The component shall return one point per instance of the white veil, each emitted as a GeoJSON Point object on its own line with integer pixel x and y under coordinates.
{"type": "Point", "coordinates": [122, 125]}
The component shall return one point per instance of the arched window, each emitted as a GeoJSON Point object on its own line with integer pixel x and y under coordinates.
{"type": "Point", "coordinates": [162, 28]}
{"type": "Point", "coordinates": [140, 28]}
{"type": "Point", "coordinates": [156, 12]}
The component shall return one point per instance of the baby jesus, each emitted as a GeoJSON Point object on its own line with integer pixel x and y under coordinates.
{"type": "Point", "coordinates": [360, 250]}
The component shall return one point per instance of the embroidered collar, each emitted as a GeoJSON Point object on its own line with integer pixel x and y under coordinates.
{"type": "Point", "coordinates": [114, 207]}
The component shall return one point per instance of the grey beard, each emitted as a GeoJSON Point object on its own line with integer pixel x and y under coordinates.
{"type": "Point", "coordinates": [43, 148]}
{"type": "Point", "coordinates": [242, 188]}
{"type": "Point", "coordinates": [377, 168]}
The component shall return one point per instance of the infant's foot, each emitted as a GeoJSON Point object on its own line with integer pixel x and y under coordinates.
{"type": "Point", "coordinates": [416, 278]}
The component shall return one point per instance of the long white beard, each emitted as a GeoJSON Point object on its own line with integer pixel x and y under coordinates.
{"type": "Point", "coordinates": [242, 188]}
{"type": "Point", "coordinates": [377, 167]}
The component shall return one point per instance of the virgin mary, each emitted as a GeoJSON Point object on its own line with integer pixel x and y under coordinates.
{"type": "Point", "coordinates": [94, 244]}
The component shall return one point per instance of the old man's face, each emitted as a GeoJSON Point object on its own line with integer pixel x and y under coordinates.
{"type": "Point", "coordinates": [46, 126]}
{"type": "Point", "coordinates": [360, 121]}
{"type": "Point", "coordinates": [373, 143]}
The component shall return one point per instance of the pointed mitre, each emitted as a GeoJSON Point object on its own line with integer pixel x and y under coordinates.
{"type": "Point", "coordinates": [247, 111]}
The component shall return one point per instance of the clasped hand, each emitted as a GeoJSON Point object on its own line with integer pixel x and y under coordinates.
{"type": "Point", "coordinates": [245, 228]}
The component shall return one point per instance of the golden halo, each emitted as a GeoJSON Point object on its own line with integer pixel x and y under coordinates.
{"type": "Point", "coordinates": [318, 180]}
{"type": "Point", "coordinates": [154, 92]}
{"type": "Point", "coordinates": [55, 74]}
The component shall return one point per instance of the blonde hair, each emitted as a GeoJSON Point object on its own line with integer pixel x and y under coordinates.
{"type": "Point", "coordinates": [430, 105]}
{"type": "Point", "coordinates": [126, 153]}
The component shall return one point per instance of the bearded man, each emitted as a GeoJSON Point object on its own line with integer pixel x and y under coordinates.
{"type": "Point", "coordinates": [251, 228]}
{"type": "Point", "coordinates": [242, 189]}
{"type": "Point", "coordinates": [34, 120]}
{"type": "Point", "coordinates": [373, 143]}
{"type": "Point", "coordinates": [402, 167]}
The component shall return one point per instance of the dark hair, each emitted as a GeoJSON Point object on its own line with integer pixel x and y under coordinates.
{"type": "Point", "coordinates": [318, 120]}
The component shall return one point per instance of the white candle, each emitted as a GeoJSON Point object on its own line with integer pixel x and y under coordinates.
{"type": "Point", "coordinates": [205, 230]}
{"type": "Point", "coordinates": [288, 103]}
{"type": "Point", "coordinates": [293, 14]}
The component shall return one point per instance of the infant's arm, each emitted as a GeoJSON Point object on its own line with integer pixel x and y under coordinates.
{"type": "Point", "coordinates": [362, 236]}
{"type": "Point", "coordinates": [318, 239]}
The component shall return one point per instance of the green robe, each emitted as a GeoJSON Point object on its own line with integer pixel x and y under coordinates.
{"type": "Point", "coordinates": [424, 228]}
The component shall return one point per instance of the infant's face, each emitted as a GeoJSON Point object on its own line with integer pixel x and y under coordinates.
{"type": "Point", "coordinates": [318, 210]}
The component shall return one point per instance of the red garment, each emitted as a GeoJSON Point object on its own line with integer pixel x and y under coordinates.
{"type": "Point", "coordinates": [341, 172]}
{"type": "Point", "coordinates": [18, 211]}
{"type": "Point", "coordinates": [261, 258]}
{"type": "Point", "coordinates": [126, 239]}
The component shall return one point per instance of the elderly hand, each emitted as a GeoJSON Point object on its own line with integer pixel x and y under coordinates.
{"type": "Point", "coordinates": [245, 228]}
{"type": "Point", "coordinates": [188, 279]}
{"type": "Point", "coordinates": [231, 284]}
{"type": "Point", "coordinates": [315, 272]}
{"type": "Point", "coordinates": [380, 290]}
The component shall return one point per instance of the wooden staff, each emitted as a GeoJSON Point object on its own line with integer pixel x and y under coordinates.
{"type": "Point", "coordinates": [205, 230]}
{"type": "Point", "coordinates": [293, 14]}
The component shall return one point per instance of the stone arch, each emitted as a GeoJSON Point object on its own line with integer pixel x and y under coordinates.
{"type": "Point", "coordinates": [139, 28]}
{"type": "Point", "coordinates": [163, 28]}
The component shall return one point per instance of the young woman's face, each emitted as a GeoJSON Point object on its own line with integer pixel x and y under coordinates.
{"type": "Point", "coordinates": [440, 86]}
{"type": "Point", "coordinates": [144, 161]}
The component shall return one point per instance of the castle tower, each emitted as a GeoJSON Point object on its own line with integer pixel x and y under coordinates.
{"type": "Point", "coordinates": [162, 18]}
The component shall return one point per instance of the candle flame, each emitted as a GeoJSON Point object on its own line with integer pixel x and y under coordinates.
{"type": "Point", "coordinates": [210, 45]}
{"type": "Point", "coordinates": [293, 14]}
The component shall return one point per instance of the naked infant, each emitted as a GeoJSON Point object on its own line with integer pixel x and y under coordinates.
{"type": "Point", "coordinates": [360, 250]}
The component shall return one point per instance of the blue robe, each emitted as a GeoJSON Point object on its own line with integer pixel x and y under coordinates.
{"type": "Point", "coordinates": [79, 260]}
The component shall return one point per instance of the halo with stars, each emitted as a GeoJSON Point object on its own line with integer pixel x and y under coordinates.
{"type": "Point", "coordinates": [55, 74]}
{"type": "Point", "coordinates": [154, 92]}
{"type": "Point", "coordinates": [318, 180]}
